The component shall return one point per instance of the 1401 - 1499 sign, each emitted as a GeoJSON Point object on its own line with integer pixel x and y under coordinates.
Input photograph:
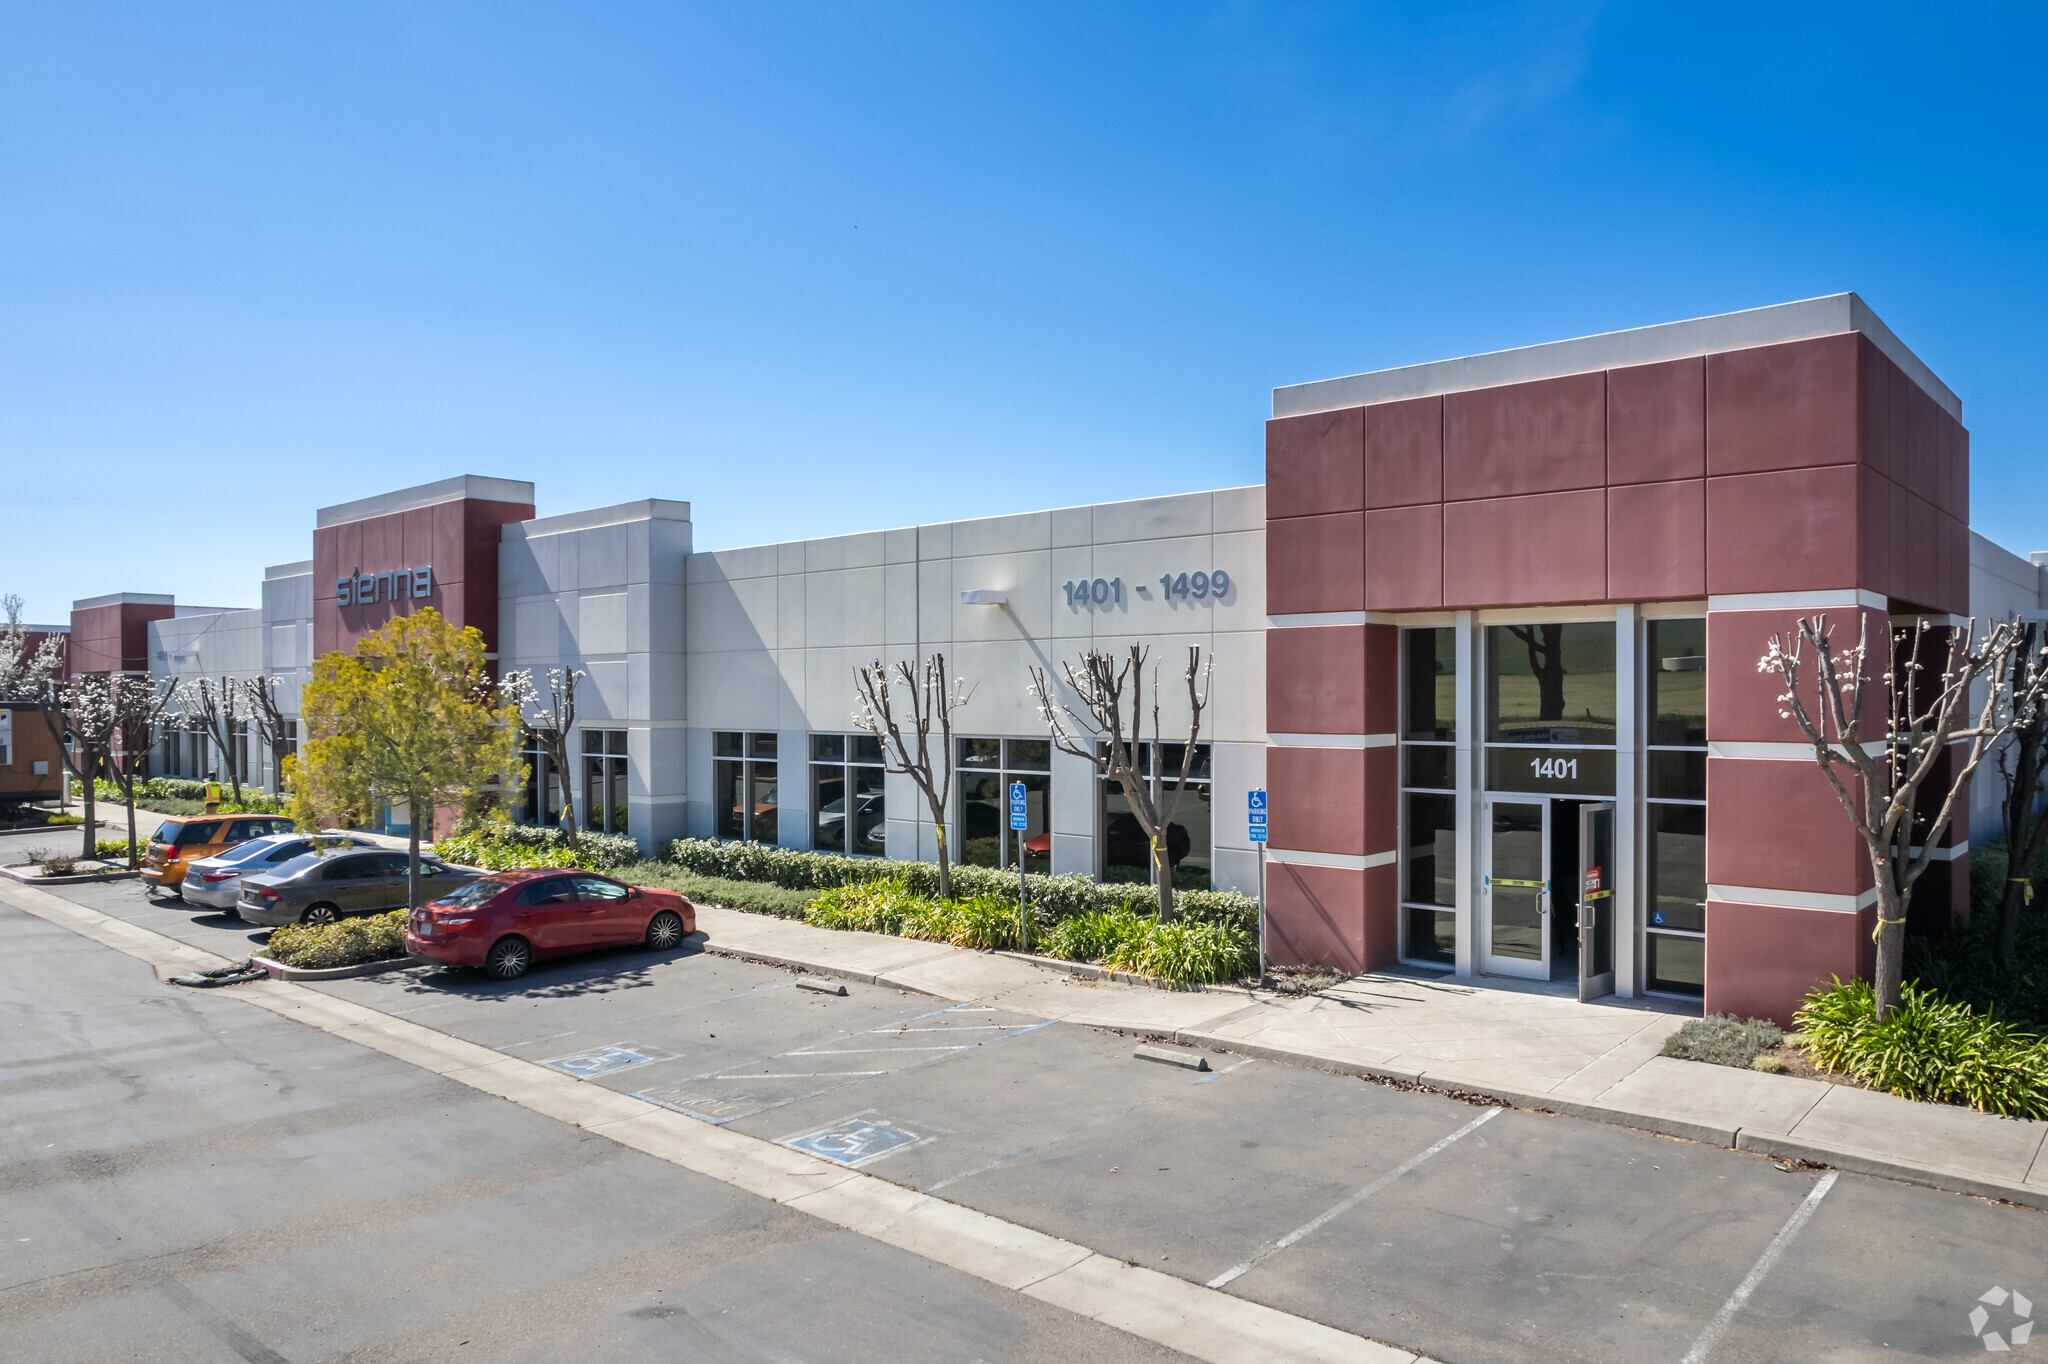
{"type": "Point", "coordinates": [1213, 584]}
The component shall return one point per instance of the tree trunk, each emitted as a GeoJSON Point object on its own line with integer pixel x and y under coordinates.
{"type": "Point", "coordinates": [1162, 875]}
{"type": "Point", "coordinates": [1547, 663]}
{"type": "Point", "coordinates": [939, 829]}
{"type": "Point", "coordinates": [1891, 944]}
{"type": "Point", "coordinates": [412, 858]}
{"type": "Point", "coordinates": [128, 793]}
{"type": "Point", "coordinates": [2014, 896]}
{"type": "Point", "coordinates": [91, 809]}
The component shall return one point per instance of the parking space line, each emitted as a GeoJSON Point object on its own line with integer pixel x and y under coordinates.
{"type": "Point", "coordinates": [801, 1075]}
{"type": "Point", "coordinates": [1780, 1243]}
{"type": "Point", "coordinates": [1246, 1266]}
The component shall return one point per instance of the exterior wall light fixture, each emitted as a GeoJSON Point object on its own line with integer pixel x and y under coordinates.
{"type": "Point", "coordinates": [982, 596]}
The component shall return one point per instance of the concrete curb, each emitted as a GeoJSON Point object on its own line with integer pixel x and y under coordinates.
{"type": "Point", "coordinates": [120, 874]}
{"type": "Point", "coordinates": [277, 970]}
{"type": "Point", "coordinates": [1785, 1148]}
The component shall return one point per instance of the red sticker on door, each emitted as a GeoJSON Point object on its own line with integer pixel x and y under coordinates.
{"type": "Point", "coordinates": [1592, 879]}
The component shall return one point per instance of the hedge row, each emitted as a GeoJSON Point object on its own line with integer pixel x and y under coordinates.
{"type": "Point", "coordinates": [315, 947]}
{"type": "Point", "coordinates": [1055, 897]}
{"type": "Point", "coordinates": [496, 845]}
{"type": "Point", "coordinates": [178, 796]}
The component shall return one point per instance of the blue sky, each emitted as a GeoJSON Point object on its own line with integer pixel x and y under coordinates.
{"type": "Point", "coordinates": [829, 268]}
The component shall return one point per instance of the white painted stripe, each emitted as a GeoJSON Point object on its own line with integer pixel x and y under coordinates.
{"type": "Point", "coordinates": [1834, 598]}
{"type": "Point", "coordinates": [1246, 1266]}
{"type": "Point", "coordinates": [1317, 618]}
{"type": "Point", "coordinates": [1792, 899]}
{"type": "Point", "coordinates": [1780, 1243]}
{"type": "Point", "coordinates": [1332, 740]}
{"type": "Point", "coordinates": [1347, 861]}
{"type": "Point", "coordinates": [1785, 752]}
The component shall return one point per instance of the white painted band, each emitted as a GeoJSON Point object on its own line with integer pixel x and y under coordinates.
{"type": "Point", "coordinates": [1331, 740]}
{"type": "Point", "coordinates": [1723, 748]}
{"type": "Point", "coordinates": [1344, 861]}
{"type": "Point", "coordinates": [1793, 899]}
{"type": "Point", "coordinates": [1834, 598]}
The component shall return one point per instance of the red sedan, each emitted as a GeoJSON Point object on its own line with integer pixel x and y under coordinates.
{"type": "Point", "coordinates": [508, 920]}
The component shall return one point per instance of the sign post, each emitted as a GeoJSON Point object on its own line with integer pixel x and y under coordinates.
{"type": "Point", "coordinates": [1018, 822]}
{"type": "Point", "coordinates": [1256, 814]}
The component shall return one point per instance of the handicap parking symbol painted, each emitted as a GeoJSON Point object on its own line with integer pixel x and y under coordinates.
{"type": "Point", "coordinates": [855, 1142]}
{"type": "Point", "coordinates": [586, 1065]}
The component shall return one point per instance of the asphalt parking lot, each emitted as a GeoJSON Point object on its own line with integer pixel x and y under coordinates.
{"type": "Point", "coordinates": [186, 1178]}
{"type": "Point", "coordinates": [1481, 1234]}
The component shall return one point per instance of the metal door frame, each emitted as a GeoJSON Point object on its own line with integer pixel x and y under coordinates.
{"type": "Point", "coordinates": [1594, 986]}
{"type": "Point", "coordinates": [1520, 967]}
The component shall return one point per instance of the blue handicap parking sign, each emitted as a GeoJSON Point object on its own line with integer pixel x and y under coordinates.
{"type": "Point", "coordinates": [1258, 800]}
{"type": "Point", "coordinates": [1017, 816]}
{"type": "Point", "coordinates": [1256, 816]}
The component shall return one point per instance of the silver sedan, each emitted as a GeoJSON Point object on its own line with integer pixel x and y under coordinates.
{"type": "Point", "coordinates": [325, 887]}
{"type": "Point", "coordinates": [216, 882]}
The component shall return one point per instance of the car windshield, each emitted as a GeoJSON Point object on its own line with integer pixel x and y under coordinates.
{"type": "Point", "coordinates": [298, 866]}
{"type": "Point", "coordinates": [473, 894]}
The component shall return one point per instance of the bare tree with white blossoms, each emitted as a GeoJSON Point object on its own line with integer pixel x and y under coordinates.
{"type": "Point", "coordinates": [549, 714]}
{"type": "Point", "coordinates": [929, 699]}
{"type": "Point", "coordinates": [266, 713]}
{"type": "Point", "coordinates": [1890, 754]}
{"type": "Point", "coordinates": [1110, 735]}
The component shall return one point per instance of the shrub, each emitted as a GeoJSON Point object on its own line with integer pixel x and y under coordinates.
{"type": "Point", "coordinates": [1723, 1040]}
{"type": "Point", "coordinates": [1053, 898]}
{"type": "Point", "coordinates": [497, 845]}
{"type": "Point", "coordinates": [1962, 965]}
{"type": "Point", "coordinates": [315, 947]}
{"type": "Point", "coordinates": [116, 849]}
{"type": "Point", "coordinates": [1181, 953]}
{"type": "Point", "coordinates": [753, 896]}
{"type": "Point", "coordinates": [1928, 1048]}
{"type": "Point", "coordinates": [161, 794]}
{"type": "Point", "coordinates": [1095, 934]}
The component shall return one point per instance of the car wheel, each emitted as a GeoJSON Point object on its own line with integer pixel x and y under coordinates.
{"type": "Point", "coordinates": [664, 930]}
{"type": "Point", "coordinates": [177, 892]}
{"type": "Point", "coordinates": [508, 958]}
{"type": "Point", "coordinates": [316, 915]}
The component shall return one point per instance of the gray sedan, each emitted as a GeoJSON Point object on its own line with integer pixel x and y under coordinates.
{"type": "Point", "coordinates": [323, 887]}
{"type": "Point", "coordinates": [216, 882]}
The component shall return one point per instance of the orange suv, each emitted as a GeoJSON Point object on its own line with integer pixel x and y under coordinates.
{"type": "Point", "coordinates": [179, 842]}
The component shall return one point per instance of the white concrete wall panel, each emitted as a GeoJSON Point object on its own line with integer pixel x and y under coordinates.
{"type": "Point", "coordinates": [601, 623]}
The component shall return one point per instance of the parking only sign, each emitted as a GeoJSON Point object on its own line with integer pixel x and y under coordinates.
{"type": "Point", "coordinates": [1257, 815]}
{"type": "Point", "coordinates": [1017, 819]}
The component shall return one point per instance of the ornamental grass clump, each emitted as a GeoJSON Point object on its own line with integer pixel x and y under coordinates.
{"type": "Point", "coordinates": [1097, 934]}
{"type": "Point", "coordinates": [1724, 1040]}
{"type": "Point", "coordinates": [1183, 953]}
{"type": "Point", "coordinates": [1926, 1048]}
{"type": "Point", "coordinates": [319, 947]}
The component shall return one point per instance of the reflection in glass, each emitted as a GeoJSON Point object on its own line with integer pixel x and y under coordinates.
{"type": "Point", "coordinates": [1678, 867]}
{"type": "Point", "coordinates": [870, 825]}
{"type": "Point", "coordinates": [1517, 856]}
{"type": "Point", "coordinates": [1676, 679]}
{"type": "Point", "coordinates": [1678, 966]}
{"type": "Point", "coordinates": [1551, 683]}
{"type": "Point", "coordinates": [1551, 771]}
{"type": "Point", "coordinates": [763, 799]}
{"type": "Point", "coordinates": [1677, 775]}
{"type": "Point", "coordinates": [728, 782]}
{"type": "Point", "coordinates": [1431, 660]}
{"type": "Point", "coordinates": [1029, 755]}
{"type": "Point", "coordinates": [1432, 849]}
{"type": "Point", "coordinates": [1428, 765]}
{"type": "Point", "coordinates": [828, 806]}
{"type": "Point", "coordinates": [981, 753]}
{"type": "Point", "coordinates": [982, 814]}
{"type": "Point", "coordinates": [1432, 935]}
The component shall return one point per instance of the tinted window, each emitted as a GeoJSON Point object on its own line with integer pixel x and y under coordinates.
{"type": "Point", "coordinates": [351, 868]}
{"type": "Point", "coordinates": [166, 832]}
{"type": "Point", "coordinates": [287, 852]}
{"type": "Point", "coordinates": [553, 891]}
{"type": "Point", "coordinates": [242, 830]}
{"type": "Point", "coordinates": [473, 894]}
{"type": "Point", "coordinates": [390, 864]}
{"type": "Point", "coordinates": [1432, 700]}
{"type": "Point", "coordinates": [248, 852]}
{"type": "Point", "coordinates": [1676, 678]}
{"type": "Point", "coordinates": [597, 888]}
{"type": "Point", "coordinates": [1551, 683]}
{"type": "Point", "coordinates": [192, 835]}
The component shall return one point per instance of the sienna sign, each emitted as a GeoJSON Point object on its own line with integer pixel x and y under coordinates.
{"type": "Point", "coordinates": [401, 584]}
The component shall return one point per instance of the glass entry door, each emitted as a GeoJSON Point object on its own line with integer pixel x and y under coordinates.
{"type": "Point", "coordinates": [1596, 900]}
{"type": "Point", "coordinates": [1518, 888]}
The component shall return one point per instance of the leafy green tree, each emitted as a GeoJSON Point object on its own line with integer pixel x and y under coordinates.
{"type": "Point", "coordinates": [408, 716]}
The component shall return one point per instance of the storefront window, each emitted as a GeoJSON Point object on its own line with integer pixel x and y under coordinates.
{"type": "Point", "coordinates": [744, 791]}
{"type": "Point", "coordinates": [1429, 810]}
{"type": "Point", "coordinates": [846, 795]}
{"type": "Point", "coordinates": [1675, 764]}
{"type": "Point", "coordinates": [542, 802]}
{"type": "Point", "coordinates": [1126, 852]}
{"type": "Point", "coordinates": [987, 768]}
{"type": "Point", "coordinates": [604, 780]}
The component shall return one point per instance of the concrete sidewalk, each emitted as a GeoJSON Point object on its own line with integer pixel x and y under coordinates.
{"type": "Point", "coordinates": [1526, 1047]}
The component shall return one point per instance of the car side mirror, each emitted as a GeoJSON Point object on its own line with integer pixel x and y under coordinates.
{"type": "Point", "coordinates": [632, 892]}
